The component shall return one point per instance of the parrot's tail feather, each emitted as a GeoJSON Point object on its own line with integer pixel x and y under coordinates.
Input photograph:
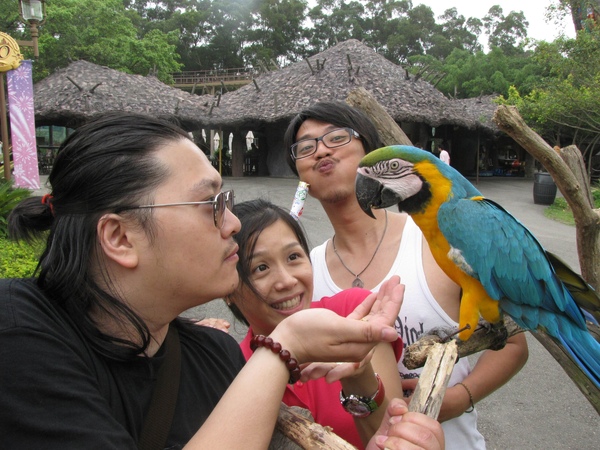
{"type": "Point", "coordinates": [584, 350]}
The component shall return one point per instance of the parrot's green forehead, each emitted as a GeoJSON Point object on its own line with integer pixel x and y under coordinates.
{"type": "Point", "coordinates": [404, 152]}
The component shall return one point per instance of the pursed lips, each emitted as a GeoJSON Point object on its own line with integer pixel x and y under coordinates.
{"type": "Point", "coordinates": [232, 253]}
{"type": "Point", "coordinates": [325, 165]}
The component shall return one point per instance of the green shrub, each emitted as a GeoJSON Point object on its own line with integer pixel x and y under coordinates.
{"type": "Point", "coordinates": [561, 211]}
{"type": "Point", "coordinates": [9, 197]}
{"type": "Point", "coordinates": [18, 259]}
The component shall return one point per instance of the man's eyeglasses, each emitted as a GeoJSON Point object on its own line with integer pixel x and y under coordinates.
{"type": "Point", "coordinates": [223, 200]}
{"type": "Point", "coordinates": [333, 139]}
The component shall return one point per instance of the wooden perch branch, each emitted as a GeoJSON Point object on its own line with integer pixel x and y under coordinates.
{"type": "Point", "coordinates": [415, 355]}
{"type": "Point", "coordinates": [389, 130]}
{"type": "Point", "coordinates": [307, 434]}
{"type": "Point", "coordinates": [583, 383]}
{"type": "Point", "coordinates": [430, 390]}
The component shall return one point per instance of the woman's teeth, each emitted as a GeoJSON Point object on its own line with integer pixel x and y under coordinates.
{"type": "Point", "coordinates": [288, 304]}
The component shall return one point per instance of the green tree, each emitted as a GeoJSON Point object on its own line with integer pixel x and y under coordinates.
{"type": "Point", "coordinates": [456, 32]}
{"type": "Point", "coordinates": [410, 35]}
{"type": "Point", "coordinates": [100, 31]}
{"type": "Point", "coordinates": [565, 107]}
{"type": "Point", "coordinates": [506, 32]}
{"type": "Point", "coordinates": [276, 32]}
{"type": "Point", "coordinates": [334, 21]}
{"type": "Point", "coordinates": [190, 20]}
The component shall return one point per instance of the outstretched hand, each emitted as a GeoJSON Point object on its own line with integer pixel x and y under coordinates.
{"type": "Point", "coordinates": [320, 335]}
{"type": "Point", "coordinates": [382, 306]}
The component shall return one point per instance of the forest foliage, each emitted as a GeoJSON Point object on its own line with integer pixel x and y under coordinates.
{"type": "Point", "coordinates": [552, 83]}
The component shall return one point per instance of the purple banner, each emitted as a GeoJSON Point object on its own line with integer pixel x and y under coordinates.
{"type": "Point", "coordinates": [22, 126]}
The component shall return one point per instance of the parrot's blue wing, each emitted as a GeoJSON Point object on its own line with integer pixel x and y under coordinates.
{"type": "Point", "coordinates": [495, 248]}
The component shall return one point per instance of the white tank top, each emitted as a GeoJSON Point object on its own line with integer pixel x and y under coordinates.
{"type": "Point", "coordinates": [419, 313]}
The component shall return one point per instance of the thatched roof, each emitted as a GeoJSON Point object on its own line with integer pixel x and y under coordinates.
{"type": "Point", "coordinates": [83, 90]}
{"type": "Point", "coordinates": [480, 109]}
{"type": "Point", "coordinates": [331, 75]}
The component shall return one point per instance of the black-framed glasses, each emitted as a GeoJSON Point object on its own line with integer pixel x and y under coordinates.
{"type": "Point", "coordinates": [223, 200]}
{"type": "Point", "coordinates": [333, 139]}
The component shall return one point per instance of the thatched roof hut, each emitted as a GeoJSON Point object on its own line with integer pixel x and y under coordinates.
{"type": "Point", "coordinates": [83, 90]}
{"type": "Point", "coordinates": [331, 75]}
{"type": "Point", "coordinates": [266, 105]}
{"type": "Point", "coordinates": [480, 110]}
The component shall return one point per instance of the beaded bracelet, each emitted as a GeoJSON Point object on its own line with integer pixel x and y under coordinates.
{"type": "Point", "coordinates": [290, 363]}
{"type": "Point", "coordinates": [470, 398]}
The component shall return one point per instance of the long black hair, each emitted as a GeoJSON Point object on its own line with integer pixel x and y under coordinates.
{"type": "Point", "coordinates": [336, 113]}
{"type": "Point", "coordinates": [255, 216]}
{"type": "Point", "coordinates": [106, 164]}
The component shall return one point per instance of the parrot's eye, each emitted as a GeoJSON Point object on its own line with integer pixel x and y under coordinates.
{"type": "Point", "coordinates": [394, 165]}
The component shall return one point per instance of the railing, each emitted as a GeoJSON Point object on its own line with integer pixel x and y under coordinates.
{"type": "Point", "coordinates": [204, 77]}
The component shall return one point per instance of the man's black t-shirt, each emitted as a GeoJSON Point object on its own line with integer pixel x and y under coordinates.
{"type": "Point", "coordinates": [58, 393]}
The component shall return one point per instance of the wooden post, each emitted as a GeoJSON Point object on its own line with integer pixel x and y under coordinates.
{"type": "Point", "coordinates": [389, 130]}
{"type": "Point", "coordinates": [4, 131]}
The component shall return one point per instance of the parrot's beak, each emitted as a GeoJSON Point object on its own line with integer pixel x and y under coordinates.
{"type": "Point", "coordinates": [368, 193]}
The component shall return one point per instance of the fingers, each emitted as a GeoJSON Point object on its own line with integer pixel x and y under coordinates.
{"type": "Point", "coordinates": [414, 431]}
{"type": "Point", "coordinates": [382, 306]}
{"type": "Point", "coordinates": [331, 371]}
{"type": "Point", "coordinates": [404, 430]}
{"type": "Point", "coordinates": [364, 308]}
{"type": "Point", "coordinates": [321, 335]}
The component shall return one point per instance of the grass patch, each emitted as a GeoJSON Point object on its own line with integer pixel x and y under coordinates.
{"type": "Point", "coordinates": [561, 212]}
{"type": "Point", "coordinates": [18, 260]}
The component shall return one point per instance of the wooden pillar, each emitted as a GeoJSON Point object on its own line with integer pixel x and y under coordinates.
{"type": "Point", "coordinates": [238, 149]}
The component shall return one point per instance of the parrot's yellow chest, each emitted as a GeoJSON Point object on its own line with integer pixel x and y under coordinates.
{"type": "Point", "coordinates": [475, 300]}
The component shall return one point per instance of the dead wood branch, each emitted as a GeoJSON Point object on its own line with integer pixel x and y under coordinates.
{"type": "Point", "coordinates": [307, 434]}
{"type": "Point", "coordinates": [389, 131]}
{"type": "Point", "coordinates": [587, 219]}
{"type": "Point", "coordinates": [583, 383]}
{"type": "Point", "coordinates": [430, 390]}
{"type": "Point", "coordinates": [484, 338]}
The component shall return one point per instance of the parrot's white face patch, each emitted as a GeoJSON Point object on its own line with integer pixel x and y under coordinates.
{"type": "Point", "coordinates": [397, 175]}
{"type": "Point", "coordinates": [456, 256]}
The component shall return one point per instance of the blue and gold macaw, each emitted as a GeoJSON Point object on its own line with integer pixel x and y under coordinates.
{"type": "Point", "coordinates": [498, 263]}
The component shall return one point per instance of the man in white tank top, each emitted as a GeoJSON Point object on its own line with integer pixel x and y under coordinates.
{"type": "Point", "coordinates": [325, 144]}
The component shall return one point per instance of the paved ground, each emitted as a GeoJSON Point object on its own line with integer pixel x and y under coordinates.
{"type": "Point", "coordinates": [540, 408]}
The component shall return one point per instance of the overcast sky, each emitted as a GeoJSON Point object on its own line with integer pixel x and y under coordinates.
{"type": "Point", "coordinates": [534, 10]}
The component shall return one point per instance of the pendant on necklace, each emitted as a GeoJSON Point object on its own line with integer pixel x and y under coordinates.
{"type": "Point", "coordinates": [358, 283]}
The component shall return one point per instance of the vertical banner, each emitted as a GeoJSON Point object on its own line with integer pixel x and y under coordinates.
{"type": "Point", "coordinates": [22, 126]}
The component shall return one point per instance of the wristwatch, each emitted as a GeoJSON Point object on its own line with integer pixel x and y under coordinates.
{"type": "Point", "coordinates": [360, 406]}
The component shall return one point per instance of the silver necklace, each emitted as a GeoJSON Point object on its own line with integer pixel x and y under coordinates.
{"type": "Point", "coordinates": [357, 281]}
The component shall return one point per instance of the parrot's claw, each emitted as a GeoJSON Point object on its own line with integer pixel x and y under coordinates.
{"type": "Point", "coordinates": [497, 327]}
{"type": "Point", "coordinates": [445, 333]}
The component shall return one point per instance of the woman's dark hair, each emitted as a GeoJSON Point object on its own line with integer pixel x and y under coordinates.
{"type": "Point", "coordinates": [336, 113]}
{"type": "Point", "coordinates": [255, 216]}
{"type": "Point", "coordinates": [104, 166]}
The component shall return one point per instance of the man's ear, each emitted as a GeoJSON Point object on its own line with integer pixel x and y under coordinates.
{"type": "Point", "coordinates": [117, 239]}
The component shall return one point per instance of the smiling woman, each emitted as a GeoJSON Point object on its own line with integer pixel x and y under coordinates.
{"type": "Point", "coordinates": [276, 283]}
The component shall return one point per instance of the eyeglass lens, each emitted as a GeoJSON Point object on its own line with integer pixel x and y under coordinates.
{"type": "Point", "coordinates": [223, 200]}
{"type": "Point", "coordinates": [333, 139]}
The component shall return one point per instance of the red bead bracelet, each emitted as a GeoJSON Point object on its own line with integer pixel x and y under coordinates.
{"type": "Point", "coordinates": [290, 363]}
